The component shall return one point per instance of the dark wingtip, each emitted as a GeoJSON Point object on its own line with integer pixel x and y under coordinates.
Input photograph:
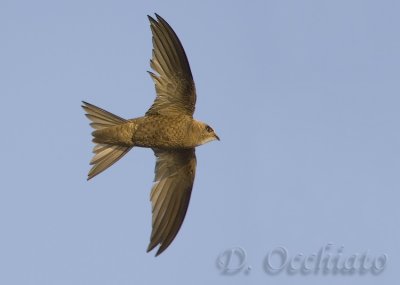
{"type": "Point", "coordinates": [151, 19]}
{"type": "Point", "coordinates": [159, 251]}
{"type": "Point", "coordinates": [152, 246]}
{"type": "Point", "coordinates": [161, 20]}
{"type": "Point", "coordinates": [158, 17]}
{"type": "Point", "coordinates": [86, 105]}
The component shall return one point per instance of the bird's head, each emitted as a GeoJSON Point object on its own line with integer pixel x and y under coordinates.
{"type": "Point", "coordinates": [207, 134]}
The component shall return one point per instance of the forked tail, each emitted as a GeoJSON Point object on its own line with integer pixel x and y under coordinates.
{"type": "Point", "coordinates": [105, 155]}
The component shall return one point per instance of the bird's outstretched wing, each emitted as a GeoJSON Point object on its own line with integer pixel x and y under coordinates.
{"type": "Point", "coordinates": [176, 93]}
{"type": "Point", "coordinates": [170, 195]}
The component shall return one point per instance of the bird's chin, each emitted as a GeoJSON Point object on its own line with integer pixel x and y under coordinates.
{"type": "Point", "coordinates": [206, 140]}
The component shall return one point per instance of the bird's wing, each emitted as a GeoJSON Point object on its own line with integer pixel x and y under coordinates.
{"type": "Point", "coordinates": [173, 79]}
{"type": "Point", "coordinates": [170, 195]}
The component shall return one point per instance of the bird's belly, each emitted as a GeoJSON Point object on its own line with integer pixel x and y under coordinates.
{"type": "Point", "coordinates": [163, 135]}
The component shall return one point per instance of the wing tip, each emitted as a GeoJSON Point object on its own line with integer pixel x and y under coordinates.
{"type": "Point", "coordinates": [84, 104]}
{"type": "Point", "coordinates": [151, 19]}
{"type": "Point", "coordinates": [159, 251]}
{"type": "Point", "coordinates": [157, 20]}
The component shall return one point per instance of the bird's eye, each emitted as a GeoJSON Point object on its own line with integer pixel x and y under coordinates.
{"type": "Point", "coordinates": [209, 129]}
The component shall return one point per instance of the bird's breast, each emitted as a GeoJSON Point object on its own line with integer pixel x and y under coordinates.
{"type": "Point", "coordinates": [164, 132]}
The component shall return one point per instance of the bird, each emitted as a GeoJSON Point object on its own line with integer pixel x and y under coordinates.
{"type": "Point", "coordinates": [168, 128]}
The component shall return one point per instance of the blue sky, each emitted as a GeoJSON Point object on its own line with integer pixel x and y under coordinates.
{"type": "Point", "coordinates": [305, 98]}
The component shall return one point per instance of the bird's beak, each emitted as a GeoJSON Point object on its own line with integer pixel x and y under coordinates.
{"type": "Point", "coordinates": [217, 137]}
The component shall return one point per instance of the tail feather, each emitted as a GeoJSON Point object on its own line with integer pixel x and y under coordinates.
{"type": "Point", "coordinates": [101, 118]}
{"type": "Point", "coordinates": [105, 155]}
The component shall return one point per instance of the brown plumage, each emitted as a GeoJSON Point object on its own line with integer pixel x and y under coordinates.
{"type": "Point", "coordinates": [168, 128]}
